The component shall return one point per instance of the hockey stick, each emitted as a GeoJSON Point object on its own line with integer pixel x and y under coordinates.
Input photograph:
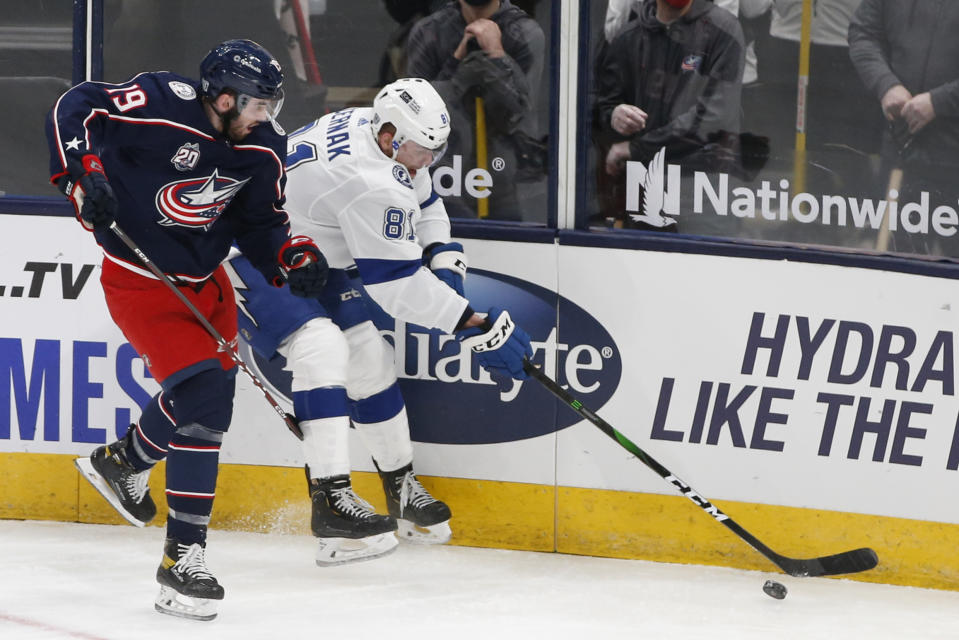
{"type": "Point", "coordinates": [802, 97]}
{"type": "Point", "coordinates": [290, 421]}
{"type": "Point", "coordinates": [846, 562]}
{"type": "Point", "coordinates": [895, 184]}
{"type": "Point", "coordinates": [902, 140]}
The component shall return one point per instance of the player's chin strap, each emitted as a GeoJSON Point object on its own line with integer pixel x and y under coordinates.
{"type": "Point", "coordinates": [395, 146]}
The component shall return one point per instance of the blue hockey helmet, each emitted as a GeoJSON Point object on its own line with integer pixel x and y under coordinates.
{"type": "Point", "coordinates": [245, 67]}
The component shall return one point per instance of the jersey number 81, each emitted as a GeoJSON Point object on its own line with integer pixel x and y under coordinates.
{"type": "Point", "coordinates": [394, 223]}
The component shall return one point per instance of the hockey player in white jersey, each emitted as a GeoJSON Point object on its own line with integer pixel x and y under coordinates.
{"type": "Point", "coordinates": [358, 182]}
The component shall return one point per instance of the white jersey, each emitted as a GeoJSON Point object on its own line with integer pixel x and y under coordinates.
{"type": "Point", "coordinates": [364, 209]}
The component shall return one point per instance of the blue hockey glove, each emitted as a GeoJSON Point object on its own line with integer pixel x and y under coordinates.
{"type": "Point", "coordinates": [88, 188]}
{"type": "Point", "coordinates": [500, 346]}
{"type": "Point", "coordinates": [448, 263]}
{"type": "Point", "coordinates": [305, 267]}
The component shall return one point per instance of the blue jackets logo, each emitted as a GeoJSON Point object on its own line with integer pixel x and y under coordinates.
{"type": "Point", "coordinates": [196, 202]}
{"type": "Point", "coordinates": [692, 62]}
{"type": "Point", "coordinates": [451, 400]}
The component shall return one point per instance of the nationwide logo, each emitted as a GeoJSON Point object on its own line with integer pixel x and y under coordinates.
{"type": "Point", "coordinates": [451, 400]}
{"type": "Point", "coordinates": [196, 202]}
{"type": "Point", "coordinates": [663, 186]}
{"type": "Point", "coordinates": [653, 180]}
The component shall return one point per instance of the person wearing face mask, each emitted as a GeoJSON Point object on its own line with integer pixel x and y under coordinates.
{"type": "Point", "coordinates": [359, 180]}
{"type": "Point", "coordinates": [620, 12]}
{"type": "Point", "coordinates": [672, 80]}
{"type": "Point", "coordinates": [486, 59]}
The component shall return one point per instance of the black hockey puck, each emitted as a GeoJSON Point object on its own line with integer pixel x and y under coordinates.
{"type": "Point", "coordinates": [774, 589]}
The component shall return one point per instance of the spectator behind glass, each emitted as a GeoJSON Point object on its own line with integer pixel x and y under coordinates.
{"type": "Point", "coordinates": [906, 54]}
{"type": "Point", "coordinates": [406, 13]}
{"type": "Point", "coordinates": [492, 50]}
{"type": "Point", "coordinates": [620, 12]}
{"type": "Point", "coordinates": [672, 80]}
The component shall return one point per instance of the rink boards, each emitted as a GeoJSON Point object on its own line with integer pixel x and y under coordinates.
{"type": "Point", "coordinates": [815, 404]}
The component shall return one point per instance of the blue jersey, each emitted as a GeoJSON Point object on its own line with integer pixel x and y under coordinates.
{"type": "Point", "coordinates": [184, 191]}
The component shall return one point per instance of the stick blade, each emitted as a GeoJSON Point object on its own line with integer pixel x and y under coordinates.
{"type": "Point", "coordinates": [853, 561]}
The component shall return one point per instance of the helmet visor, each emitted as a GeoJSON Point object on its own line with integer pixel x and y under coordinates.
{"type": "Point", "coordinates": [417, 156]}
{"type": "Point", "coordinates": [423, 156]}
{"type": "Point", "coordinates": [259, 109]}
{"type": "Point", "coordinates": [438, 154]}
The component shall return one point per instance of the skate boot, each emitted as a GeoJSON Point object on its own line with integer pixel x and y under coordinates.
{"type": "Point", "coordinates": [347, 526]}
{"type": "Point", "coordinates": [110, 473]}
{"type": "Point", "coordinates": [421, 518]}
{"type": "Point", "coordinates": [187, 588]}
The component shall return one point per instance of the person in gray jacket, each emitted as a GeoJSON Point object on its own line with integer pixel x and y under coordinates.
{"type": "Point", "coordinates": [673, 80]}
{"type": "Point", "coordinates": [494, 51]}
{"type": "Point", "coordinates": [906, 53]}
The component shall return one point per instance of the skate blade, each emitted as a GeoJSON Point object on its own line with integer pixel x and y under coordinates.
{"type": "Point", "coordinates": [94, 478]}
{"type": "Point", "coordinates": [173, 603]}
{"type": "Point", "coordinates": [439, 533]}
{"type": "Point", "coordinates": [336, 551]}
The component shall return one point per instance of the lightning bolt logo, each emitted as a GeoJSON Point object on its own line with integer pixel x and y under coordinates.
{"type": "Point", "coordinates": [240, 287]}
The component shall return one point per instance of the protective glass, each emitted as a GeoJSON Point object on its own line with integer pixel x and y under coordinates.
{"type": "Point", "coordinates": [260, 109]}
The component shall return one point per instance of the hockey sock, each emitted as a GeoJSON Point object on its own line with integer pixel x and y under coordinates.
{"type": "Point", "coordinates": [191, 481]}
{"type": "Point", "coordinates": [151, 433]}
{"type": "Point", "coordinates": [326, 446]}
{"type": "Point", "coordinates": [382, 423]}
{"type": "Point", "coordinates": [324, 420]}
{"type": "Point", "coordinates": [203, 409]}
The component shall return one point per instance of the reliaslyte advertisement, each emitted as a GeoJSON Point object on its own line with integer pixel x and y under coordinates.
{"type": "Point", "coordinates": [763, 381]}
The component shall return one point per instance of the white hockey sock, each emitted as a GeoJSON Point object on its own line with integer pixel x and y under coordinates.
{"type": "Point", "coordinates": [388, 441]}
{"type": "Point", "coordinates": [326, 446]}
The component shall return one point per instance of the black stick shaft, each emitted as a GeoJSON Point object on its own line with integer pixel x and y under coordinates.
{"type": "Point", "coordinates": [847, 562]}
{"type": "Point", "coordinates": [220, 340]}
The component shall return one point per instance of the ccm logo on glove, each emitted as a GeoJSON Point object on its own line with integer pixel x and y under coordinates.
{"type": "Point", "coordinates": [495, 337]}
{"type": "Point", "coordinates": [500, 347]}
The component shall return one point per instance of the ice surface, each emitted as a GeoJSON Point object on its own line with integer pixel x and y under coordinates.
{"type": "Point", "coordinates": [93, 582]}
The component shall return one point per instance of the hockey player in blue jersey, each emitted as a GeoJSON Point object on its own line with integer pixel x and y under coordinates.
{"type": "Point", "coordinates": [359, 181]}
{"type": "Point", "coordinates": [185, 169]}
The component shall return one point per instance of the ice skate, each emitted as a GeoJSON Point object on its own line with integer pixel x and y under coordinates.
{"type": "Point", "coordinates": [420, 518]}
{"type": "Point", "coordinates": [111, 474]}
{"type": "Point", "coordinates": [347, 526]}
{"type": "Point", "coordinates": [187, 588]}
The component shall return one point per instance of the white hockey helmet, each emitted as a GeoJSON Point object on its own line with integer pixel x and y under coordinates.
{"type": "Point", "coordinates": [417, 111]}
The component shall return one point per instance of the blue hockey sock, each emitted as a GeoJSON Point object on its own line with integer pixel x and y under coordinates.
{"type": "Point", "coordinates": [191, 474]}
{"type": "Point", "coordinates": [151, 433]}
